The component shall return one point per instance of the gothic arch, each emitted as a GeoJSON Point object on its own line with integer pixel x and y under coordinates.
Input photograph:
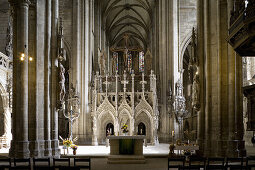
{"type": "Point", "coordinates": [125, 117]}
{"type": "Point", "coordinates": [106, 112]}
{"type": "Point", "coordinates": [144, 106]}
{"type": "Point", "coordinates": [143, 117]}
{"type": "Point", "coordinates": [103, 119]}
{"type": "Point", "coordinates": [184, 44]}
{"type": "Point", "coordinates": [106, 106]}
{"type": "Point", "coordinates": [125, 107]}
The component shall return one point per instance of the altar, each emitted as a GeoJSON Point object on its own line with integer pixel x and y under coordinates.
{"type": "Point", "coordinates": [126, 149]}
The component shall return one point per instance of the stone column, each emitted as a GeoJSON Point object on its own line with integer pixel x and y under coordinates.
{"type": "Point", "coordinates": [221, 106]}
{"type": "Point", "coordinates": [20, 143]}
{"type": "Point", "coordinates": [54, 78]}
{"type": "Point", "coordinates": [200, 53]}
{"type": "Point", "coordinates": [47, 88]}
{"type": "Point", "coordinates": [165, 71]}
{"type": "Point", "coordinates": [76, 55]}
{"type": "Point", "coordinates": [84, 127]}
{"type": "Point", "coordinates": [132, 126]}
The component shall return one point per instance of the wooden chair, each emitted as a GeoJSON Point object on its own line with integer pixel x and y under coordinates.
{"type": "Point", "coordinates": [197, 163]}
{"type": "Point", "coordinates": [234, 163]}
{"type": "Point", "coordinates": [62, 163]}
{"type": "Point", "coordinates": [178, 162]}
{"type": "Point", "coordinates": [215, 163]}
{"type": "Point", "coordinates": [250, 163]}
{"type": "Point", "coordinates": [82, 163]}
{"type": "Point", "coordinates": [5, 163]}
{"type": "Point", "coordinates": [22, 164]}
{"type": "Point", "coordinates": [41, 164]}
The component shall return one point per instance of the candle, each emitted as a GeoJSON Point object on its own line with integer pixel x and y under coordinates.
{"type": "Point", "coordinates": [71, 107]}
{"type": "Point", "coordinates": [173, 133]}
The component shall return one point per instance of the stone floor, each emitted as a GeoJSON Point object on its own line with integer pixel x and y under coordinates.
{"type": "Point", "coordinates": [103, 151]}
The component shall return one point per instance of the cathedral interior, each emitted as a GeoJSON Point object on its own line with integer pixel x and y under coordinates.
{"type": "Point", "coordinates": [171, 70]}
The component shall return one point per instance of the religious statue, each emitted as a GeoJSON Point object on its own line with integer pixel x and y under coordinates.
{"type": "Point", "coordinates": [195, 92]}
{"type": "Point", "coordinates": [62, 54]}
{"type": "Point", "coordinates": [125, 56]}
{"type": "Point", "coordinates": [62, 83]}
{"type": "Point", "coordinates": [61, 50]}
{"type": "Point", "coordinates": [101, 61]}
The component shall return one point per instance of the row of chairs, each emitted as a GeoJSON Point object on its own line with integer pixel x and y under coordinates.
{"type": "Point", "coordinates": [45, 164]}
{"type": "Point", "coordinates": [212, 163]}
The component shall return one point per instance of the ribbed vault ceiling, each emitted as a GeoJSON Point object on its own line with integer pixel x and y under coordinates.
{"type": "Point", "coordinates": [132, 17]}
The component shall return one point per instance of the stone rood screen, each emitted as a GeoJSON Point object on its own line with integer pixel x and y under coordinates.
{"type": "Point", "coordinates": [124, 99]}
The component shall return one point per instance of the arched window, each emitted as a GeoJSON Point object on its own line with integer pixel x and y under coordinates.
{"type": "Point", "coordinates": [141, 61]}
{"type": "Point", "coordinates": [129, 62]}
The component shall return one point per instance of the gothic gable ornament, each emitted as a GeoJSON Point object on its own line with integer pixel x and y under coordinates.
{"type": "Point", "coordinates": [106, 106]}
{"type": "Point", "coordinates": [144, 105]}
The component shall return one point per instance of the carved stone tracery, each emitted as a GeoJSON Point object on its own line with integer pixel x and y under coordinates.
{"type": "Point", "coordinates": [131, 106]}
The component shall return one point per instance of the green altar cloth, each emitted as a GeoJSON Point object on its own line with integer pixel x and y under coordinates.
{"type": "Point", "coordinates": [126, 146]}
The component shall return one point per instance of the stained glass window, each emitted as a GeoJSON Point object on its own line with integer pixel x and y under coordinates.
{"type": "Point", "coordinates": [129, 62]}
{"type": "Point", "coordinates": [141, 61]}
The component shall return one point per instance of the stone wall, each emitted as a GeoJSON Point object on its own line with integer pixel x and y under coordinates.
{"type": "Point", "coordinates": [4, 13]}
{"type": "Point", "coordinates": [66, 13]}
{"type": "Point", "coordinates": [188, 19]}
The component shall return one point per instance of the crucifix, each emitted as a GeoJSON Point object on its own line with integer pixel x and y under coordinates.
{"type": "Point", "coordinates": [143, 83]}
{"type": "Point", "coordinates": [124, 82]}
{"type": "Point", "coordinates": [125, 49]}
{"type": "Point", "coordinates": [106, 84]}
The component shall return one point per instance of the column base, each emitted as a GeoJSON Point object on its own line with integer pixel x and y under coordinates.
{"type": "Point", "coordinates": [208, 150]}
{"type": "Point", "coordinates": [241, 148]}
{"type": "Point", "coordinates": [48, 150]}
{"type": "Point", "coordinates": [201, 145]}
{"type": "Point", "coordinates": [55, 149]}
{"type": "Point", "coordinates": [232, 148]}
{"type": "Point", "coordinates": [222, 148]}
{"type": "Point", "coordinates": [37, 149]}
{"type": "Point", "coordinates": [20, 149]}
